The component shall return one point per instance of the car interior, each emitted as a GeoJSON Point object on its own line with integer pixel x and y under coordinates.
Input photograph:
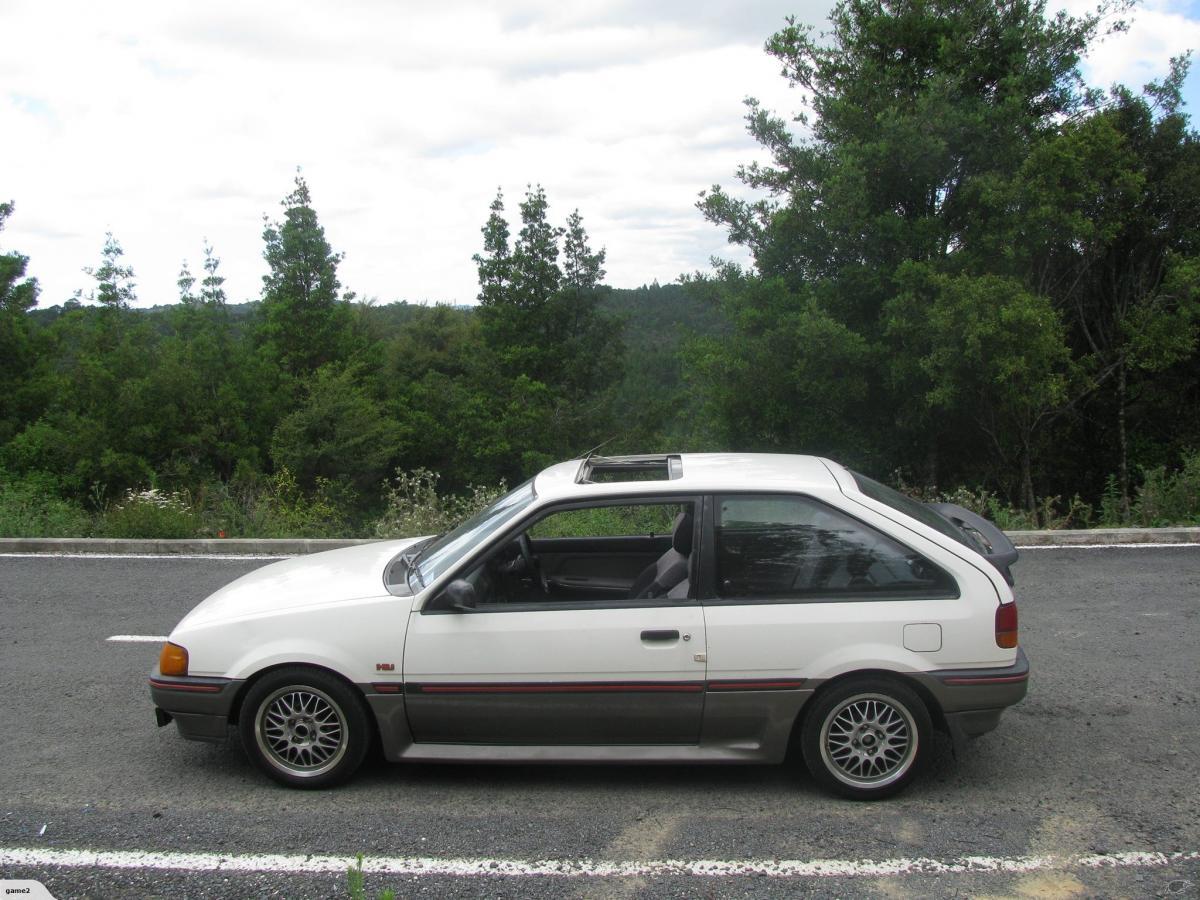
{"type": "Point", "coordinates": [599, 553]}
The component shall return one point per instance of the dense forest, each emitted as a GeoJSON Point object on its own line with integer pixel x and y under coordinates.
{"type": "Point", "coordinates": [972, 275]}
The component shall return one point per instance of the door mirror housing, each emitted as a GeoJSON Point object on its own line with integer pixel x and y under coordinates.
{"type": "Point", "coordinates": [460, 594]}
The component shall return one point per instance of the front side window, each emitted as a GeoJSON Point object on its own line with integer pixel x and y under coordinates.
{"type": "Point", "coordinates": [780, 547]}
{"type": "Point", "coordinates": [612, 553]}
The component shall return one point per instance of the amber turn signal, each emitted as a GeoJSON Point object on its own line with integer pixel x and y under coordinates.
{"type": "Point", "coordinates": [173, 660]}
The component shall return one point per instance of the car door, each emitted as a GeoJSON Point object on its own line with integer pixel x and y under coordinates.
{"type": "Point", "coordinates": [551, 669]}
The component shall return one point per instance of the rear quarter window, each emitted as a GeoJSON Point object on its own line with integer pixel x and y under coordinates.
{"type": "Point", "coordinates": [780, 547]}
{"type": "Point", "coordinates": [881, 493]}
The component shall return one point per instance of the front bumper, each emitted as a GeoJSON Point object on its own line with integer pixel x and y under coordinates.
{"type": "Point", "coordinates": [971, 700]}
{"type": "Point", "coordinates": [198, 706]}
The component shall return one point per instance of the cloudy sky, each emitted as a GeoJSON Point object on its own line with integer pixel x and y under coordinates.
{"type": "Point", "coordinates": [169, 123]}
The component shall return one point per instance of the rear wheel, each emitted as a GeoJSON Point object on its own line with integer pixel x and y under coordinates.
{"type": "Point", "coordinates": [304, 727]}
{"type": "Point", "coordinates": [866, 738]}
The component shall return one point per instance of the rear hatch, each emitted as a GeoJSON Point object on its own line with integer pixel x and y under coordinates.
{"type": "Point", "coordinates": [983, 536]}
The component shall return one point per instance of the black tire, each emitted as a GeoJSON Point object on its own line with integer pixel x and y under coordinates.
{"type": "Point", "coordinates": [304, 727]}
{"type": "Point", "coordinates": [866, 738]}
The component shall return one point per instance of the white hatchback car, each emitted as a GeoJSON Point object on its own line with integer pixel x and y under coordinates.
{"type": "Point", "coordinates": [684, 608]}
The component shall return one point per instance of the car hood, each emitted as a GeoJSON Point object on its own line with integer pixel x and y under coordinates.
{"type": "Point", "coordinates": [349, 573]}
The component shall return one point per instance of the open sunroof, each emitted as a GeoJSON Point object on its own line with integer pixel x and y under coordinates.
{"type": "Point", "coordinates": [606, 469]}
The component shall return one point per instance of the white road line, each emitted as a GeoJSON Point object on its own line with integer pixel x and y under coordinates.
{"type": "Point", "coordinates": [138, 638]}
{"type": "Point", "coordinates": [1102, 546]}
{"type": "Point", "coordinates": [583, 868]}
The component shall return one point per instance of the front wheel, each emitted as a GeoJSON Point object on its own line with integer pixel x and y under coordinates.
{"type": "Point", "coordinates": [867, 738]}
{"type": "Point", "coordinates": [304, 728]}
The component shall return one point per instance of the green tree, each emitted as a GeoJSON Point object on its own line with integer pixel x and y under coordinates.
{"type": "Point", "coordinates": [305, 317]}
{"type": "Point", "coordinates": [1114, 200]}
{"type": "Point", "coordinates": [209, 386]}
{"type": "Point", "coordinates": [789, 375]}
{"type": "Point", "coordinates": [539, 320]}
{"type": "Point", "coordinates": [18, 349]}
{"type": "Point", "coordinates": [921, 117]}
{"type": "Point", "coordinates": [212, 290]}
{"type": "Point", "coordinates": [337, 433]}
{"type": "Point", "coordinates": [186, 283]}
{"type": "Point", "coordinates": [544, 331]}
{"type": "Point", "coordinates": [990, 351]}
{"type": "Point", "coordinates": [115, 288]}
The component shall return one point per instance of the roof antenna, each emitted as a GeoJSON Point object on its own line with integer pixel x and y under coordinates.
{"type": "Point", "coordinates": [588, 455]}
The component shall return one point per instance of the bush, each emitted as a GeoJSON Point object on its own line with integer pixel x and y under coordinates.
{"type": "Point", "coordinates": [252, 505]}
{"type": "Point", "coordinates": [610, 521]}
{"type": "Point", "coordinates": [1170, 498]}
{"type": "Point", "coordinates": [30, 507]}
{"type": "Point", "coordinates": [150, 514]}
{"type": "Point", "coordinates": [1049, 513]}
{"type": "Point", "coordinates": [413, 506]}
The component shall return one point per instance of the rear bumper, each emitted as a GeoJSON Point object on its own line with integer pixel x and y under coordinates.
{"type": "Point", "coordinates": [971, 700]}
{"type": "Point", "coordinates": [199, 707]}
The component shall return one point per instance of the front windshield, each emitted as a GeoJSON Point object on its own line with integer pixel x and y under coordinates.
{"type": "Point", "coordinates": [447, 550]}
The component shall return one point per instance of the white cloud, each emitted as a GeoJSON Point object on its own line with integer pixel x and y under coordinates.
{"type": "Point", "coordinates": [1157, 31]}
{"type": "Point", "coordinates": [171, 123]}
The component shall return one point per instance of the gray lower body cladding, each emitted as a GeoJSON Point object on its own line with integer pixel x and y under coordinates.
{"type": "Point", "coordinates": [719, 722]}
{"type": "Point", "coordinates": [971, 700]}
{"type": "Point", "coordinates": [199, 707]}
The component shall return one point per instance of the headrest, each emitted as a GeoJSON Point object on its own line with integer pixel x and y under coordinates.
{"type": "Point", "coordinates": [681, 538]}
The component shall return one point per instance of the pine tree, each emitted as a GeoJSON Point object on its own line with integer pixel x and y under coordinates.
{"type": "Point", "coordinates": [305, 319]}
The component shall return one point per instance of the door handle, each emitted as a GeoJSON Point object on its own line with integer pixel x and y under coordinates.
{"type": "Point", "coordinates": [665, 635]}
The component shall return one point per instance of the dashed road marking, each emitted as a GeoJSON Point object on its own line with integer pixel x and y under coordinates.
{"type": "Point", "coordinates": [584, 868]}
{"type": "Point", "coordinates": [138, 638]}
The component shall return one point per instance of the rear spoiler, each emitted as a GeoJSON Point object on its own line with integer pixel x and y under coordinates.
{"type": "Point", "coordinates": [994, 544]}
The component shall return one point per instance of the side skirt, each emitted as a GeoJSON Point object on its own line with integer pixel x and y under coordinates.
{"type": "Point", "coordinates": [584, 753]}
{"type": "Point", "coordinates": [739, 726]}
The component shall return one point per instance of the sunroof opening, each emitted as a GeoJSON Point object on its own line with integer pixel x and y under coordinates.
{"type": "Point", "coordinates": [607, 469]}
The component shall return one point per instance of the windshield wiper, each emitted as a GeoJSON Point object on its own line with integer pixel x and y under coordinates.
{"type": "Point", "coordinates": [413, 570]}
{"type": "Point", "coordinates": [411, 559]}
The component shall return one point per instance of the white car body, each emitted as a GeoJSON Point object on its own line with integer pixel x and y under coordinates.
{"type": "Point", "coordinates": [575, 681]}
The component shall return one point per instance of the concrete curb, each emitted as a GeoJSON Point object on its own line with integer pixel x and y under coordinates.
{"type": "Point", "coordinates": [185, 547]}
{"type": "Point", "coordinates": [299, 546]}
{"type": "Point", "coordinates": [1094, 536]}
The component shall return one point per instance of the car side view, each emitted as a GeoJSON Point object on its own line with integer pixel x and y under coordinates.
{"type": "Point", "coordinates": [717, 608]}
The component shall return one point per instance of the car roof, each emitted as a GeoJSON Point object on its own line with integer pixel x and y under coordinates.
{"type": "Point", "coordinates": [692, 473]}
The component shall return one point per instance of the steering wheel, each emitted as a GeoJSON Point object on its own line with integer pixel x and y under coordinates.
{"type": "Point", "coordinates": [531, 565]}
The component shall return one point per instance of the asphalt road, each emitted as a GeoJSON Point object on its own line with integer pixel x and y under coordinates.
{"type": "Point", "coordinates": [1101, 759]}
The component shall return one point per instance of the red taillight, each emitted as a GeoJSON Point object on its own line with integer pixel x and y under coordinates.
{"type": "Point", "coordinates": [1006, 625]}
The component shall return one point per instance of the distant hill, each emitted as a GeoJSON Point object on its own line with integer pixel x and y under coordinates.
{"type": "Point", "coordinates": [656, 317]}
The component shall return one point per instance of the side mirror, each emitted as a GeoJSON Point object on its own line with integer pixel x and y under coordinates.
{"type": "Point", "coordinates": [461, 595]}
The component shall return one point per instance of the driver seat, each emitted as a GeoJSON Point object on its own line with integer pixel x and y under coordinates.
{"type": "Point", "coordinates": [669, 570]}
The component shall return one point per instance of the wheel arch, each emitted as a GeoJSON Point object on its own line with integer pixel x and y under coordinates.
{"type": "Point", "coordinates": [235, 710]}
{"type": "Point", "coordinates": [914, 684]}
